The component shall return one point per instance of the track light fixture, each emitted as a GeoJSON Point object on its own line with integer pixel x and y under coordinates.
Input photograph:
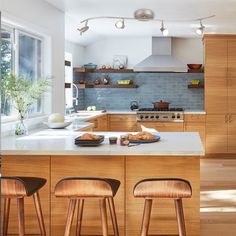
{"type": "Point", "coordinates": [144, 15]}
{"type": "Point", "coordinates": [163, 30]}
{"type": "Point", "coordinates": [120, 24]}
{"type": "Point", "coordinates": [84, 29]}
{"type": "Point", "coordinates": [200, 30]}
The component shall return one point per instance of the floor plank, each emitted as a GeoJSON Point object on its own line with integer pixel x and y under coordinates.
{"type": "Point", "coordinates": [218, 197]}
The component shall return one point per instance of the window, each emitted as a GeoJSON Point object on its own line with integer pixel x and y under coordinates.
{"type": "Point", "coordinates": [21, 54]}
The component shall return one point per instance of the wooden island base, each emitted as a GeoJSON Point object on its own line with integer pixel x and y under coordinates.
{"type": "Point", "coordinates": [127, 169]}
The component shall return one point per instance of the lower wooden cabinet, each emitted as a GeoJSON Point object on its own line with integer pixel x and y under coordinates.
{"type": "Point", "coordinates": [216, 134]}
{"type": "Point", "coordinates": [232, 133]}
{"type": "Point", "coordinates": [34, 166]}
{"type": "Point", "coordinates": [196, 123]}
{"type": "Point", "coordinates": [122, 123]}
{"type": "Point", "coordinates": [100, 123]}
{"type": "Point", "coordinates": [162, 126]}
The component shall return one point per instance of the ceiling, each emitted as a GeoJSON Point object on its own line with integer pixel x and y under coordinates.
{"type": "Point", "coordinates": [77, 10]}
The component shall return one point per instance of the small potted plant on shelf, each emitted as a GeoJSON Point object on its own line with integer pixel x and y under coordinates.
{"type": "Point", "coordinates": [22, 92]}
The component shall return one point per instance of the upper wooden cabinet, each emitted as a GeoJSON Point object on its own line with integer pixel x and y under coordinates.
{"type": "Point", "coordinates": [232, 76]}
{"type": "Point", "coordinates": [220, 75]}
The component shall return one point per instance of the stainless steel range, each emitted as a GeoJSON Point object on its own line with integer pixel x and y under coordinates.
{"type": "Point", "coordinates": [151, 114]}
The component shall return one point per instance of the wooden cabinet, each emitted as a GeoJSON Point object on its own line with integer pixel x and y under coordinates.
{"type": "Point", "coordinates": [196, 123]}
{"type": "Point", "coordinates": [216, 76]}
{"type": "Point", "coordinates": [220, 93]}
{"type": "Point", "coordinates": [122, 122]}
{"type": "Point", "coordinates": [36, 166]}
{"type": "Point", "coordinates": [162, 126]}
{"type": "Point", "coordinates": [100, 123]}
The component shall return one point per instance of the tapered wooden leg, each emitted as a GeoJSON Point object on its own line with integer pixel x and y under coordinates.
{"type": "Point", "coordinates": [6, 209]}
{"type": "Point", "coordinates": [21, 217]}
{"type": "Point", "coordinates": [113, 215]}
{"type": "Point", "coordinates": [70, 215]}
{"type": "Point", "coordinates": [146, 217]}
{"type": "Point", "coordinates": [103, 217]}
{"type": "Point", "coordinates": [180, 217]}
{"type": "Point", "coordinates": [79, 216]}
{"type": "Point", "coordinates": [39, 213]}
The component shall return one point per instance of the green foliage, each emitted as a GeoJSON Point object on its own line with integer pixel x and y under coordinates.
{"type": "Point", "coordinates": [23, 92]}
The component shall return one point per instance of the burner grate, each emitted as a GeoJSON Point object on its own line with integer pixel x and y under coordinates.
{"type": "Point", "coordinates": [154, 109]}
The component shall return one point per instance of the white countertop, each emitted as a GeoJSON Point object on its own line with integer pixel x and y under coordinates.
{"type": "Point", "coordinates": [61, 142]}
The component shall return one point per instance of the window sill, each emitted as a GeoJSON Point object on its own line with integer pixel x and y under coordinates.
{"type": "Point", "coordinates": [33, 122]}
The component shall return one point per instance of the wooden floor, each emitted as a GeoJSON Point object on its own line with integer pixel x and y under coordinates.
{"type": "Point", "coordinates": [218, 197]}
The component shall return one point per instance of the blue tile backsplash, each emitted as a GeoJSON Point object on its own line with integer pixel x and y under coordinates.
{"type": "Point", "coordinates": [171, 87]}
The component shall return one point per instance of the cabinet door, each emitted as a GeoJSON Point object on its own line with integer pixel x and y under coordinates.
{"type": "Point", "coordinates": [216, 134]}
{"type": "Point", "coordinates": [121, 122]}
{"type": "Point", "coordinates": [162, 126]}
{"type": "Point", "coordinates": [102, 123]}
{"type": "Point", "coordinates": [196, 127]}
{"type": "Point", "coordinates": [36, 166]}
{"type": "Point", "coordinates": [232, 134]}
{"type": "Point", "coordinates": [232, 76]}
{"type": "Point", "coordinates": [216, 76]}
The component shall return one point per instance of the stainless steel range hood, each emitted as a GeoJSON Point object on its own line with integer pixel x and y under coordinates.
{"type": "Point", "coordinates": [161, 59]}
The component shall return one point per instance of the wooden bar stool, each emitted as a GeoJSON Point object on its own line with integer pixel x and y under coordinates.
{"type": "Point", "coordinates": [18, 188]}
{"type": "Point", "coordinates": [77, 189]}
{"type": "Point", "coordinates": [163, 188]}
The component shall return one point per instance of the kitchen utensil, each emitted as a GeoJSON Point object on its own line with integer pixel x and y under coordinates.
{"type": "Point", "coordinates": [134, 105]}
{"type": "Point", "coordinates": [90, 66]}
{"type": "Point", "coordinates": [58, 125]}
{"type": "Point", "coordinates": [89, 142]}
{"type": "Point", "coordinates": [156, 139]}
{"type": "Point", "coordinates": [161, 105]}
{"type": "Point", "coordinates": [194, 66]}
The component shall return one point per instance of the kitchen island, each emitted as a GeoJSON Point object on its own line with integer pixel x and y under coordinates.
{"type": "Point", "coordinates": [52, 154]}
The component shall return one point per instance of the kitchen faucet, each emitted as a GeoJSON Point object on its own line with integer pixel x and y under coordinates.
{"type": "Point", "coordinates": [76, 95]}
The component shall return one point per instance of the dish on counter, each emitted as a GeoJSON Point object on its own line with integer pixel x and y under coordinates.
{"type": "Point", "coordinates": [89, 140]}
{"type": "Point", "coordinates": [143, 137]}
{"type": "Point", "coordinates": [58, 125]}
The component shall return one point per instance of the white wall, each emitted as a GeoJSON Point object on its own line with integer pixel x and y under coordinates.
{"type": "Point", "coordinates": [138, 48]}
{"type": "Point", "coordinates": [188, 50]}
{"type": "Point", "coordinates": [102, 51]}
{"type": "Point", "coordinates": [77, 52]}
{"type": "Point", "coordinates": [44, 19]}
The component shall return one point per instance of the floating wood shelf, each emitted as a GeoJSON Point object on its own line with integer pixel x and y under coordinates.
{"type": "Point", "coordinates": [84, 86]}
{"type": "Point", "coordinates": [193, 86]}
{"type": "Point", "coordinates": [83, 70]}
{"type": "Point", "coordinates": [196, 71]}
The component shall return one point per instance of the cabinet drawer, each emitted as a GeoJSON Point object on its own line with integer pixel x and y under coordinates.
{"type": "Point", "coordinates": [163, 126]}
{"type": "Point", "coordinates": [195, 117]}
{"type": "Point", "coordinates": [122, 118]}
{"type": "Point", "coordinates": [117, 126]}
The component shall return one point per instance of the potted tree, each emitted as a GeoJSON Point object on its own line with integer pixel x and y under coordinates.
{"type": "Point", "coordinates": [22, 93]}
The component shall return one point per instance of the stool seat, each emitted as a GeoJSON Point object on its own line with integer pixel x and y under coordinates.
{"type": "Point", "coordinates": [20, 185]}
{"type": "Point", "coordinates": [163, 188]}
{"type": "Point", "coordinates": [87, 187]}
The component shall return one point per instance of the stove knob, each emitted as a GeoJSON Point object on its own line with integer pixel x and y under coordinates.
{"type": "Point", "coordinates": [178, 116]}
{"type": "Point", "coordinates": [173, 116]}
{"type": "Point", "coordinates": [146, 117]}
{"type": "Point", "coordinates": [157, 117]}
{"type": "Point", "coordinates": [141, 117]}
{"type": "Point", "coordinates": [152, 117]}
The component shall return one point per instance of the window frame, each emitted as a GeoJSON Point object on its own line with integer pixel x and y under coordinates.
{"type": "Point", "coordinates": [15, 65]}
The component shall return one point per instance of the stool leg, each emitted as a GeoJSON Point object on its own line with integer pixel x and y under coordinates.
{"type": "Point", "coordinates": [104, 217]}
{"type": "Point", "coordinates": [21, 217]}
{"type": "Point", "coordinates": [39, 213]}
{"type": "Point", "coordinates": [113, 215]}
{"type": "Point", "coordinates": [7, 202]}
{"type": "Point", "coordinates": [79, 216]}
{"type": "Point", "coordinates": [180, 217]}
{"type": "Point", "coordinates": [146, 217]}
{"type": "Point", "coordinates": [70, 215]}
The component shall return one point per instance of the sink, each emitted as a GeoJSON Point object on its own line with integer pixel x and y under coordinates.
{"type": "Point", "coordinates": [80, 115]}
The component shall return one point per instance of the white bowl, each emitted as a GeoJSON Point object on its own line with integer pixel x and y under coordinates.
{"type": "Point", "coordinates": [58, 125]}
